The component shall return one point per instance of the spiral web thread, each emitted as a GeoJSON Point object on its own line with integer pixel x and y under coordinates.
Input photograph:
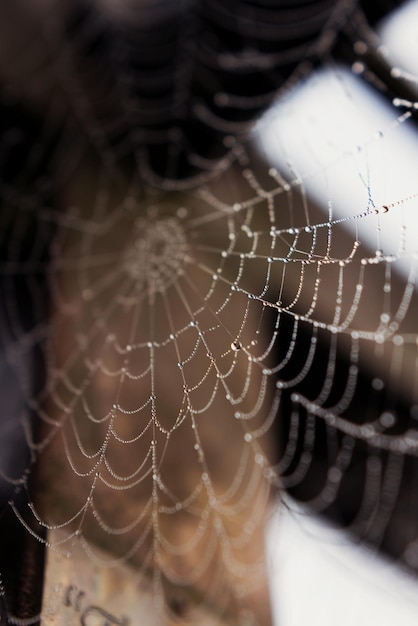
{"type": "Point", "coordinates": [197, 346]}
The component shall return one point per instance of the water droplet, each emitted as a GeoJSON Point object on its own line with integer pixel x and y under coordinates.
{"type": "Point", "coordinates": [377, 384]}
{"type": "Point", "coordinates": [87, 294]}
{"type": "Point", "coordinates": [235, 346]}
{"type": "Point", "coordinates": [221, 99]}
{"type": "Point", "coordinates": [387, 419]}
{"type": "Point", "coordinates": [181, 212]}
{"type": "Point", "coordinates": [367, 431]}
{"type": "Point", "coordinates": [334, 474]}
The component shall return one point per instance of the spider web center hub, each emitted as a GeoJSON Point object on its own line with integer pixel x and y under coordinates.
{"type": "Point", "coordinates": [158, 253]}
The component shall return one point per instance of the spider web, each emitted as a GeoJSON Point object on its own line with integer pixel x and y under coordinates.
{"type": "Point", "coordinates": [184, 332]}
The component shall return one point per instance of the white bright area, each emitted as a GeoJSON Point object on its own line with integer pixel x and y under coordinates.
{"type": "Point", "coordinates": [318, 578]}
{"type": "Point", "coordinates": [347, 146]}
{"type": "Point", "coordinates": [353, 151]}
